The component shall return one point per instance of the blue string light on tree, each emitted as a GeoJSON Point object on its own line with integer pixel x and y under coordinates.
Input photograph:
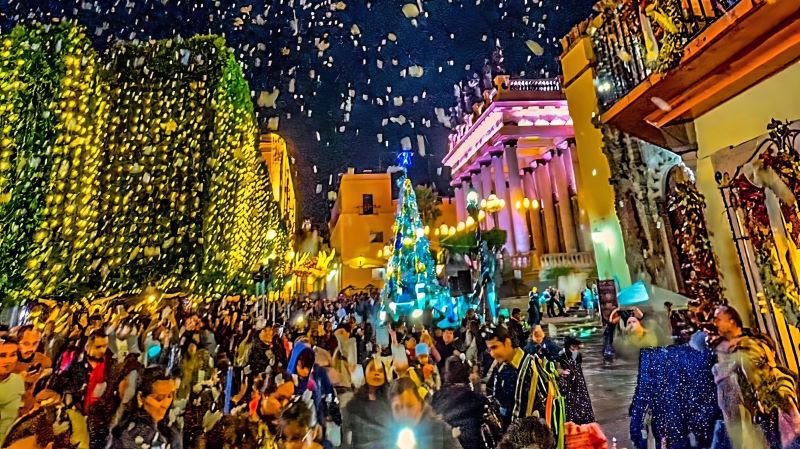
{"type": "Point", "coordinates": [404, 158]}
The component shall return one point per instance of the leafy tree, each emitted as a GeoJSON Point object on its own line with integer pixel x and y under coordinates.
{"type": "Point", "coordinates": [428, 204]}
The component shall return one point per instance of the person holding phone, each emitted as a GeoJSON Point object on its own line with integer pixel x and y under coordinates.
{"type": "Point", "coordinates": [31, 364]}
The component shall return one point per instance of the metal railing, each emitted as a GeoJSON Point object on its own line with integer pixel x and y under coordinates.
{"type": "Point", "coordinates": [633, 41]}
{"type": "Point", "coordinates": [535, 85]}
{"type": "Point", "coordinates": [569, 260]}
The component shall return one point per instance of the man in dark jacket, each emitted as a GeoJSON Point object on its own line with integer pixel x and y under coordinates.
{"type": "Point", "coordinates": [446, 345]}
{"type": "Point", "coordinates": [88, 377]}
{"type": "Point", "coordinates": [542, 346]}
{"type": "Point", "coordinates": [265, 353]}
{"type": "Point", "coordinates": [515, 327]}
{"type": "Point", "coordinates": [534, 308]}
{"type": "Point", "coordinates": [85, 380]}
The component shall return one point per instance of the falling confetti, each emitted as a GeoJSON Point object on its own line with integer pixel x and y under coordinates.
{"type": "Point", "coordinates": [327, 74]}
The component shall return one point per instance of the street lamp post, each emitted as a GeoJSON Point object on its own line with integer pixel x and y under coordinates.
{"type": "Point", "coordinates": [527, 205]}
{"type": "Point", "coordinates": [493, 205]}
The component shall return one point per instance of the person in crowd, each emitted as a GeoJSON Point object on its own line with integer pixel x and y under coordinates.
{"type": "Point", "coordinates": [446, 345]}
{"type": "Point", "coordinates": [578, 404]}
{"type": "Point", "coordinates": [86, 378]}
{"type": "Point", "coordinates": [470, 316]}
{"type": "Point", "coordinates": [298, 427]}
{"type": "Point", "coordinates": [368, 412]}
{"type": "Point", "coordinates": [107, 411]}
{"type": "Point", "coordinates": [313, 378]}
{"type": "Point", "coordinates": [195, 364]}
{"type": "Point", "coordinates": [515, 328]}
{"type": "Point", "coordinates": [415, 424]}
{"type": "Point", "coordinates": [526, 433]}
{"type": "Point", "coordinates": [541, 345]}
{"type": "Point", "coordinates": [512, 380]}
{"type": "Point", "coordinates": [465, 409]}
{"type": "Point", "coordinates": [35, 432]}
{"type": "Point", "coordinates": [235, 432]}
{"type": "Point", "coordinates": [425, 371]}
{"type": "Point", "coordinates": [145, 422]}
{"type": "Point", "coordinates": [753, 391]}
{"type": "Point", "coordinates": [534, 308]}
{"type": "Point", "coordinates": [31, 364]}
{"type": "Point", "coordinates": [552, 300]}
{"type": "Point", "coordinates": [52, 341]}
{"type": "Point", "coordinates": [588, 302]}
{"type": "Point", "coordinates": [12, 385]}
{"type": "Point", "coordinates": [265, 352]}
{"type": "Point", "coordinates": [345, 356]}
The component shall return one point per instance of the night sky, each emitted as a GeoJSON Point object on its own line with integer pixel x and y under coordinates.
{"type": "Point", "coordinates": [343, 70]}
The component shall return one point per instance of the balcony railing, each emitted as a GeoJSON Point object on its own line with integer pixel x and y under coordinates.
{"type": "Point", "coordinates": [535, 85]}
{"type": "Point", "coordinates": [506, 88]}
{"type": "Point", "coordinates": [634, 41]}
{"type": "Point", "coordinates": [568, 260]}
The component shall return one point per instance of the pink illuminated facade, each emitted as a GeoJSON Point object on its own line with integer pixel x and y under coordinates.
{"type": "Point", "coordinates": [519, 146]}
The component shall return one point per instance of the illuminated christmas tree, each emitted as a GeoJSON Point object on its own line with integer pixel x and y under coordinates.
{"type": "Point", "coordinates": [411, 281]}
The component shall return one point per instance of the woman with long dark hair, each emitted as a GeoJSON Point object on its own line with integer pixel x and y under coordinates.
{"type": "Point", "coordinates": [368, 412]}
{"type": "Point", "coordinates": [146, 421]}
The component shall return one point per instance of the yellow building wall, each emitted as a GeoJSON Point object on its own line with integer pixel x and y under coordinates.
{"type": "Point", "coordinates": [448, 217]}
{"type": "Point", "coordinates": [736, 121]}
{"type": "Point", "coordinates": [276, 155]}
{"type": "Point", "coordinates": [351, 234]}
{"type": "Point", "coordinates": [595, 194]}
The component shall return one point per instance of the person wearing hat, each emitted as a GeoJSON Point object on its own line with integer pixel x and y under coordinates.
{"type": "Point", "coordinates": [572, 384]}
{"type": "Point", "coordinates": [425, 370]}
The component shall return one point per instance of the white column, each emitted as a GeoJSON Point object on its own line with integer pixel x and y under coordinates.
{"type": "Point", "coordinates": [583, 228]}
{"type": "Point", "coordinates": [503, 216]}
{"type": "Point", "coordinates": [542, 178]}
{"type": "Point", "coordinates": [465, 187]}
{"type": "Point", "coordinates": [562, 196]}
{"type": "Point", "coordinates": [570, 166]}
{"type": "Point", "coordinates": [461, 209]}
{"type": "Point", "coordinates": [516, 195]}
{"type": "Point", "coordinates": [475, 181]}
{"type": "Point", "coordinates": [535, 212]}
{"type": "Point", "coordinates": [487, 189]}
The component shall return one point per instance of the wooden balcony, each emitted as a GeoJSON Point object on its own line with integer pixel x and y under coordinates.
{"type": "Point", "coordinates": [724, 47]}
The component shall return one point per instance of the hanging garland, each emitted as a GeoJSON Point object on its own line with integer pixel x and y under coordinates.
{"type": "Point", "coordinates": [698, 265]}
{"type": "Point", "coordinates": [778, 287]}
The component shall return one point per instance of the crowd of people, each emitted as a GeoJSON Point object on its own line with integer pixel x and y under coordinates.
{"type": "Point", "coordinates": [339, 373]}
{"type": "Point", "coordinates": [314, 374]}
